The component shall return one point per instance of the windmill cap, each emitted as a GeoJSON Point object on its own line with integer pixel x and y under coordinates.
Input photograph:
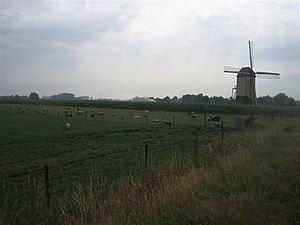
{"type": "Point", "coordinates": [246, 72]}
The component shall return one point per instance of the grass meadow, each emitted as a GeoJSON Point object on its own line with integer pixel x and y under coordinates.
{"type": "Point", "coordinates": [98, 175]}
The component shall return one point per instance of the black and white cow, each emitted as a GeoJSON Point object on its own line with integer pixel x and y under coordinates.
{"type": "Point", "coordinates": [214, 119]}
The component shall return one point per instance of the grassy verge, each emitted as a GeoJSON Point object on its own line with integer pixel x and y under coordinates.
{"type": "Point", "coordinates": [253, 178]}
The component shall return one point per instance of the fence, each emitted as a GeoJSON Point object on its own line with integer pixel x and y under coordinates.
{"type": "Point", "coordinates": [148, 147]}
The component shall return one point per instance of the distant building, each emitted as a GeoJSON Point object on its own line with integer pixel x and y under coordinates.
{"type": "Point", "coordinates": [142, 99]}
{"type": "Point", "coordinates": [63, 96]}
{"type": "Point", "coordinates": [83, 97]}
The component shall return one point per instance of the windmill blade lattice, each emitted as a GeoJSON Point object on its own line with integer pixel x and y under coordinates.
{"type": "Point", "coordinates": [265, 76]}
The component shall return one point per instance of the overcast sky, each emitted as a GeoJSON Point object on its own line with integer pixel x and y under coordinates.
{"type": "Point", "coordinates": [121, 49]}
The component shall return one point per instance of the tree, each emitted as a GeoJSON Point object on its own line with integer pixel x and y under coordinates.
{"type": "Point", "coordinates": [175, 99]}
{"type": "Point", "coordinates": [291, 102]}
{"type": "Point", "coordinates": [217, 100]}
{"type": "Point", "coordinates": [205, 99]}
{"type": "Point", "coordinates": [281, 99]}
{"type": "Point", "coordinates": [188, 98]}
{"type": "Point", "coordinates": [166, 99]}
{"type": "Point", "coordinates": [265, 100]}
{"type": "Point", "coordinates": [34, 96]}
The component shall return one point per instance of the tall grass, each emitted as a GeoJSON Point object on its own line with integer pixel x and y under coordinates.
{"type": "Point", "coordinates": [251, 178]}
{"type": "Point", "coordinates": [237, 185]}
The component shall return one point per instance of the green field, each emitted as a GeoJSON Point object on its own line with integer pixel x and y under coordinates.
{"type": "Point", "coordinates": [99, 151]}
{"type": "Point", "coordinates": [112, 146]}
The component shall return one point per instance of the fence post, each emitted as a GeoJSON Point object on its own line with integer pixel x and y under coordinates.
{"type": "Point", "coordinates": [46, 170]}
{"type": "Point", "coordinates": [122, 118]}
{"type": "Point", "coordinates": [146, 116]}
{"type": "Point", "coordinates": [57, 113]}
{"type": "Point", "coordinates": [222, 131]}
{"type": "Point", "coordinates": [146, 157]}
{"type": "Point", "coordinates": [102, 117]}
{"type": "Point", "coordinates": [173, 120]}
{"type": "Point", "coordinates": [196, 144]}
{"type": "Point", "coordinates": [205, 120]}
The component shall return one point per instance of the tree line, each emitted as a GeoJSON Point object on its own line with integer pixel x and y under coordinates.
{"type": "Point", "coordinates": [35, 96]}
{"type": "Point", "coordinates": [280, 99]}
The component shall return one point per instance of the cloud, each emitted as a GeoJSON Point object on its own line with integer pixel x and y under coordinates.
{"type": "Point", "coordinates": [123, 48]}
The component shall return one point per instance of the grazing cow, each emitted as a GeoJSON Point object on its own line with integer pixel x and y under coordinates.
{"type": "Point", "coordinates": [70, 114]}
{"type": "Point", "coordinates": [214, 119]}
{"type": "Point", "coordinates": [155, 120]}
{"type": "Point", "coordinates": [218, 124]}
{"type": "Point", "coordinates": [217, 121]}
{"type": "Point", "coordinates": [167, 122]}
{"type": "Point", "coordinates": [79, 112]}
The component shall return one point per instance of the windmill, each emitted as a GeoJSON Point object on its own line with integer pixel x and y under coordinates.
{"type": "Point", "coordinates": [245, 90]}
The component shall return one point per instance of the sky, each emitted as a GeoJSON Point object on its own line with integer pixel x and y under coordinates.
{"type": "Point", "coordinates": [122, 49]}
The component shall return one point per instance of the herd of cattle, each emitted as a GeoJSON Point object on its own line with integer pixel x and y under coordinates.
{"type": "Point", "coordinates": [99, 112]}
{"type": "Point", "coordinates": [72, 112]}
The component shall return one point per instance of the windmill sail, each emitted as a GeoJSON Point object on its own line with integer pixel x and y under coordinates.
{"type": "Point", "coordinates": [229, 69]}
{"type": "Point", "coordinates": [267, 73]}
{"type": "Point", "coordinates": [253, 94]}
{"type": "Point", "coordinates": [250, 44]}
{"type": "Point", "coordinates": [261, 76]}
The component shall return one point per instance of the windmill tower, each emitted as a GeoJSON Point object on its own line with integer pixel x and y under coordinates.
{"type": "Point", "coordinates": [245, 90]}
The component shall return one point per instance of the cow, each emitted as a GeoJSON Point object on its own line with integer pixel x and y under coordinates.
{"type": "Point", "coordinates": [214, 119]}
